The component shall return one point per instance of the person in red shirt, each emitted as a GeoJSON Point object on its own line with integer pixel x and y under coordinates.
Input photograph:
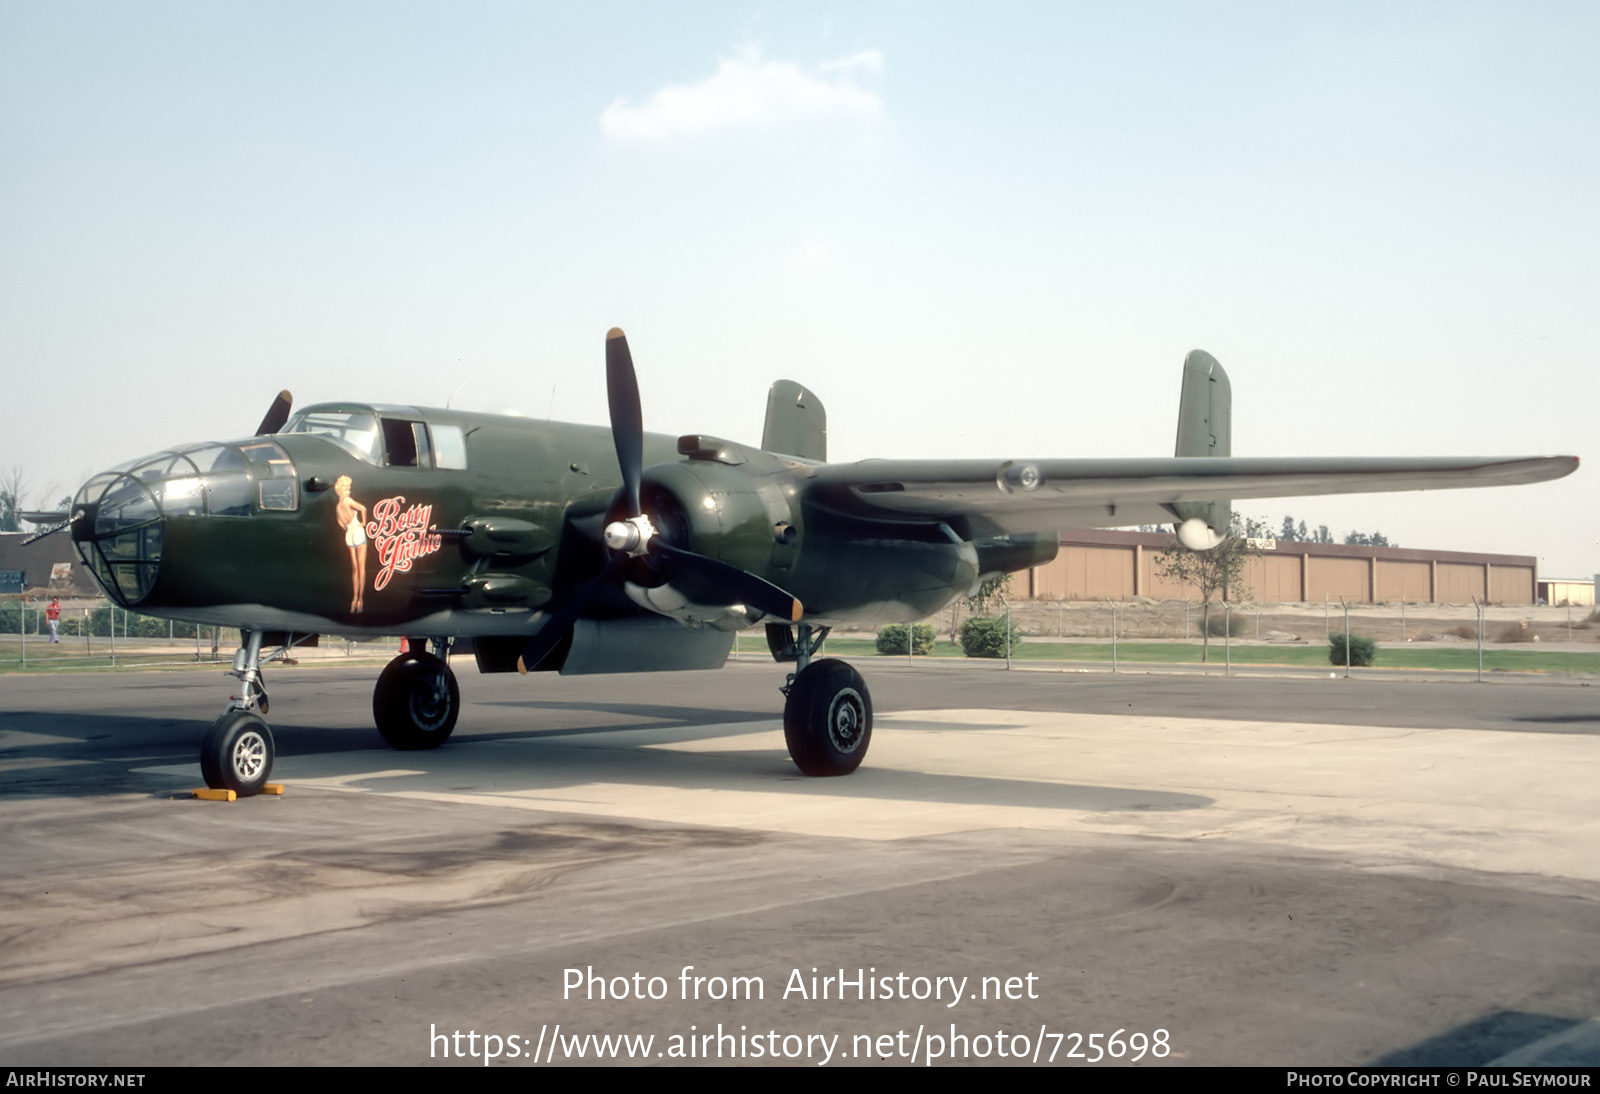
{"type": "Point", "coordinates": [53, 614]}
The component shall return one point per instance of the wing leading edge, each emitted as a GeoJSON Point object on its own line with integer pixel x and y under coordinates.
{"type": "Point", "coordinates": [1033, 495]}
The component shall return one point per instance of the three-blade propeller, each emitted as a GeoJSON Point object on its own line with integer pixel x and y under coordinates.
{"type": "Point", "coordinates": [702, 579]}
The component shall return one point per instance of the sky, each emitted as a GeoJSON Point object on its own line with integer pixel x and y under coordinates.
{"type": "Point", "coordinates": [973, 231]}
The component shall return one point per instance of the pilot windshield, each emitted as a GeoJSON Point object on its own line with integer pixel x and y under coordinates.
{"type": "Point", "coordinates": [354, 430]}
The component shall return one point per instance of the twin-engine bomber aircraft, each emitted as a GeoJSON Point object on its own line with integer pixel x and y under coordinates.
{"type": "Point", "coordinates": [559, 547]}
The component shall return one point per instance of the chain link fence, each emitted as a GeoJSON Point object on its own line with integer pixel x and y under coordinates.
{"type": "Point", "coordinates": [103, 635]}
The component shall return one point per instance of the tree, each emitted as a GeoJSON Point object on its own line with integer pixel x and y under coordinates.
{"type": "Point", "coordinates": [1362, 539]}
{"type": "Point", "coordinates": [11, 499]}
{"type": "Point", "coordinates": [1213, 572]}
{"type": "Point", "coordinates": [991, 591]}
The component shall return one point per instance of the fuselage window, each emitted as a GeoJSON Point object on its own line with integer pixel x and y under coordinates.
{"type": "Point", "coordinates": [275, 475]}
{"type": "Point", "coordinates": [449, 448]}
{"type": "Point", "coordinates": [277, 494]}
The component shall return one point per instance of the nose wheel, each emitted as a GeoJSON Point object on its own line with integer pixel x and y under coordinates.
{"type": "Point", "coordinates": [237, 754]}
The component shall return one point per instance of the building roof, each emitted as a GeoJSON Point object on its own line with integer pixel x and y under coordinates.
{"type": "Point", "coordinates": [42, 563]}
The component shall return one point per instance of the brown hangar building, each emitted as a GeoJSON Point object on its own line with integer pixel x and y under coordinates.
{"type": "Point", "coordinates": [1100, 565]}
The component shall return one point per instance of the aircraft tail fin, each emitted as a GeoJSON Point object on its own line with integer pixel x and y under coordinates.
{"type": "Point", "coordinates": [1205, 408]}
{"type": "Point", "coordinates": [797, 424]}
{"type": "Point", "coordinates": [1205, 428]}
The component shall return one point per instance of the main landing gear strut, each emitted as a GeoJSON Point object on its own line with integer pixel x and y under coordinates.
{"type": "Point", "coordinates": [827, 713]}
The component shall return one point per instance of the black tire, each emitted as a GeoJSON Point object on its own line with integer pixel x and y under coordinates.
{"type": "Point", "coordinates": [827, 721]}
{"type": "Point", "coordinates": [237, 754]}
{"type": "Point", "coordinates": [415, 702]}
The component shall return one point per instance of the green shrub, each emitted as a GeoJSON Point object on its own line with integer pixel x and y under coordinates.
{"type": "Point", "coordinates": [1363, 651]}
{"type": "Point", "coordinates": [985, 636]}
{"type": "Point", "coordinates": [892, 638]}
{"type": "Point", "coordinates": [1222, 623]}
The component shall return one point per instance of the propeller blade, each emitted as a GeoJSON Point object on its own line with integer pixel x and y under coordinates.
{"type": "Point", "coordinates": [710, 581]}
{"type": "Point", "coordinates": [552, 633]}
{"type": "Point", "coordinates": [627, 418]}
{"type": "Point", "coordinates": [277, 414]}
{"type": "Point", "coordinates": [43, 516]}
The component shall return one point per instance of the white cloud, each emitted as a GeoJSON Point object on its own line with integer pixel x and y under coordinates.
{"type": "Point", "coordinates": [750, 91]}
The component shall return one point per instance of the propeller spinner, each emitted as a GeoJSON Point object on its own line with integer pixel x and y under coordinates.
{"type": "Point", "coordinates": [703, 579]}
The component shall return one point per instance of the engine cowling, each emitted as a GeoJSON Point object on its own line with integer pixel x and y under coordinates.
{"type": "Point", "coordinates": [718, 510]}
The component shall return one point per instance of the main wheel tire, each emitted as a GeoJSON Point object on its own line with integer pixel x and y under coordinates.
{"type": "Point", "coordinates": [237, 754]}
{"type": "Point", "coordinates": [827, 721]}
{"type": "Point", "coordinates": [415, 702]}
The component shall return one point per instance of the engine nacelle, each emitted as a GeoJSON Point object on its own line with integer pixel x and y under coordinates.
{"type": "Point", "coordinates": [718, 509]}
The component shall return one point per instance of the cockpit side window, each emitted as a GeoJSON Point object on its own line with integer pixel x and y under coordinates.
{"type": "Point", "coordinates": [275, 475]}
{"type": "Point", "coordinates": [406, 443]}
{"type": "Point", "coordinates": [449, 448]}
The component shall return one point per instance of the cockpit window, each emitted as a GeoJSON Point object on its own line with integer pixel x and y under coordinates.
{"type": "Point", "coordinates": [400, 442]}
{"type": "Point", "coordinates": [353, 430]}
{"type": "Point", "coordinates": [449, 448]}
{"type": "Point", "coordinates": [406, 443]}
{"type": "Point", "coordinates": [275, 474]}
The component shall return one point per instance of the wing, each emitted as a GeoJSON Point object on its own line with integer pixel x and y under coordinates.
{"type": "Point", "coordinates": [1036, 495]}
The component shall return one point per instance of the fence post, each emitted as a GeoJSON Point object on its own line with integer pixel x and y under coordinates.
{"type": "Point", "coordinates": [1346, 638]}
{"type": "Point", "coordinates": [1227, 638]}
{"type": "Point", "coordinates": [1113, 633]}
{"type": "Point", "coordinates": [111, 632]}
{"type": "Point", "coordinates": [22, 628]}
{"type": "Point", "coordinates": [88, 644]}
{"type": "Point", "coordinates": [1479, 607]}
{"type": "Point", "coordinates": [1007, 603]}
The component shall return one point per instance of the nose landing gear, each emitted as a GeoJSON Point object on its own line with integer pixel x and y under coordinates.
{"type": "Point", "coordinates": [238, 751]}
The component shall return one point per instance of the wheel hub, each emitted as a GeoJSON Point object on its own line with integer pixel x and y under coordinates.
{"type": "Point", "coordinates": [249, 755]}
{"type": "Point", "coordinates": [430, 703]}
{"type": "Point", "coordinates": [846, 717]}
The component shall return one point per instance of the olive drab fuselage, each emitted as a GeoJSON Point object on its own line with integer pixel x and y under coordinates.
{"type": "Point", "coordinates": [478, 539]}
